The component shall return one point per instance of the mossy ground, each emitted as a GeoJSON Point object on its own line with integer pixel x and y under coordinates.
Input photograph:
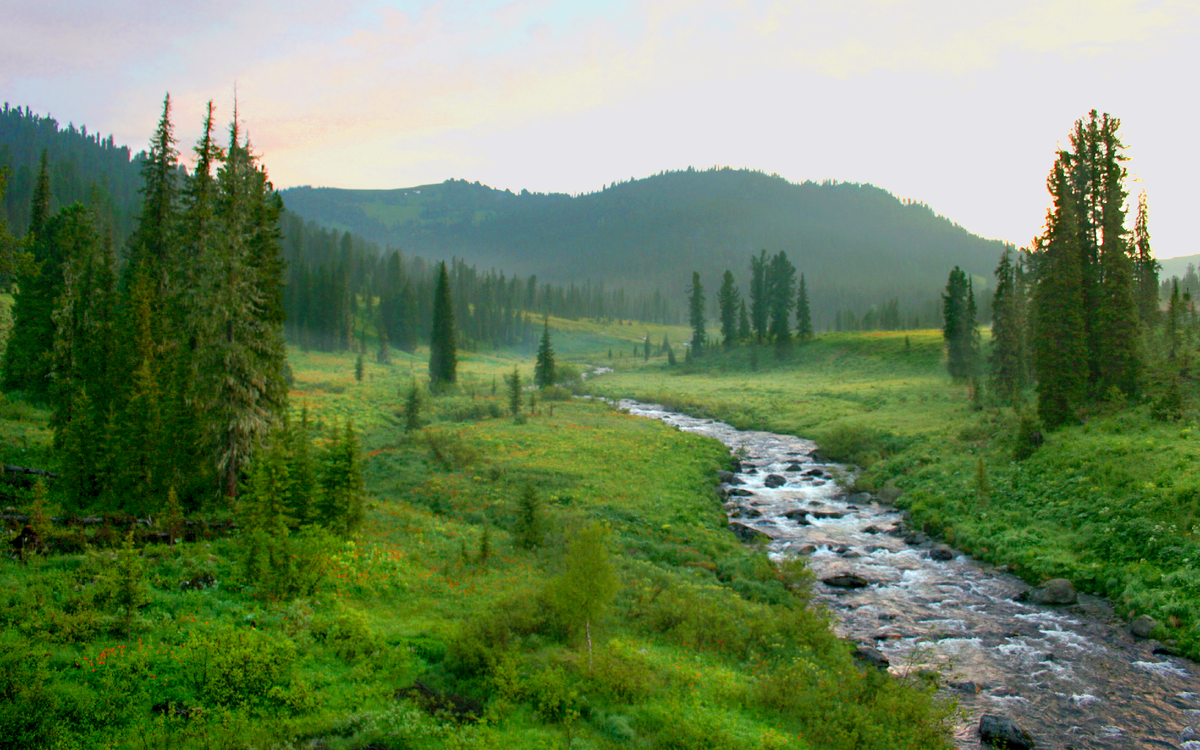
{"type": "Point", "coordinates": [705, 645]}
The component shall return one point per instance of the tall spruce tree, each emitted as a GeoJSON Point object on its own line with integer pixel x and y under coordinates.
{"type": "Point", "coordinates": [153, 240]}
{"type": "Point", "coordinates": [1060, 342]}
{"type": "Point", "coordinates": [781, 298]}
{"type": "Point", "coordinates": [696, 314]}
{"type": "Point", "coordinates": [804, 327]}
{"type": "Point", "coordinates": [243, 354]}
{"type": "Point", "coordinates": [28, 356]}
{"type": "Point", "coordinates": [759, 300]}
{"type": "Point", "coordinates": [1145, 267]}
{"type": "Point", "coordinates": [543, 369]}
{"type": "Point", "coordinates": [443, 357]}
{"type": "Point", "coordinates": [959, 328]}
{"type": "Point", "coordinates": [1007, 367]}
{"type": "Point", "coordinates": [728, 302]}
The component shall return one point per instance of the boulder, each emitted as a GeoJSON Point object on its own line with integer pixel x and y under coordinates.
{"type": "Point", "coordinates": [1001, 731]}
{"type": "Point", "coordinates": [794, 467]}
{"type": "Point", "coordinates": [1143, 626]}
{"type": "Point", "coordinates": [825, 514]}
{"type": "Point", "coordinates": [798, 516]}
{"type": "Point", "coordinates": [942, 553]}
{"type": "Point", "coordinates": [846, 581]}
{"type": "Point", "coordinates": [748, 533]}
{"type": "Point", "coordinates": [774, 480]}
{"type": "Point", "coordinates": [739, 492]}
{"type": "Point", "coordinates": [807, 549]}
{"type": "Point", "coordinates": [751, 513]}
{"type": "Point", "coordinates": [871, 657]}
{"type": "Point", "coordinates": [872, 530]}
{"type": "Point", "coordinates": [815, 473]}
{"type": "Point", "coordinates": [890, 493]}
{"type": "Point", "coordinates": [725, 476]}
{"type": "Point", "coordinates": [860, 497]}
{"type": "Point", "coordinates": [1056, 591]}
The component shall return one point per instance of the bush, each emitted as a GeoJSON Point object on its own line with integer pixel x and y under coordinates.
{"type": "Point", "coordinates": [240, 668]}
{"type": "Point", "coordinates": [860, 445]}
{"type": "Point", "coordinates": [449, 449]}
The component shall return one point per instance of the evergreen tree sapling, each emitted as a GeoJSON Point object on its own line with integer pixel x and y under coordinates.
{"type": "Point", "coordinates": [514, 393]}
{"type": "Point", "coordinates": [804, 328]}
{"type": "Point", "coordinates": [728, 302]}
{"type": "Point", "coordinates": [959, 329]}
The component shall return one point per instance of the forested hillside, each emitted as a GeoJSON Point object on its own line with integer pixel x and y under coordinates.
{"type": "Point", "coordinates": [858, 245]}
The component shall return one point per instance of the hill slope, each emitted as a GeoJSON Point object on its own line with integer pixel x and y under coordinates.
{"type": "Point", "coordinates": [856, 244]}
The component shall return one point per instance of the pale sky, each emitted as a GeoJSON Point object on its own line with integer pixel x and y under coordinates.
{"type": "Point", "coordinates": [956, 103]}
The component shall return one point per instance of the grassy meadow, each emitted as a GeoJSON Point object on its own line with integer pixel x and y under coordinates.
{"type": "Point", "coordinates": [1113, 504]}
{"type": "Point", "coordinates": [568, 575]}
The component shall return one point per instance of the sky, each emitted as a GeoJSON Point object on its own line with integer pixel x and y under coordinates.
{"type": "Point", "coordinates": [960, 105]}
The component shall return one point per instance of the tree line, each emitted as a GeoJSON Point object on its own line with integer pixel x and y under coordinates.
{"type": "Point", "coordinates": [774, 294]}
{"type": "Point", "coordinates": [165, 372]}
{"type": "Point", "coordinates": [1076, 315]}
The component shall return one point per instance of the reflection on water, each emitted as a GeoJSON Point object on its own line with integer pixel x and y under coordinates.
{"type": "Point", "coordinates": [1072, 676]}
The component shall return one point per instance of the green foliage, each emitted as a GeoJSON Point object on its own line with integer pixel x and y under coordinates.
{"type": "Point", "coordinates": [959, 326]}
{"type": "Point", "coordinates": [514, 393]}
{"type": "Point", "coordinates": [580, 595]}
{"type": "Point", "coordinates": [443, 354]}
{"type": "Point", "coordinates": [543, 369]}
{"type": "Point", "coordinates": [529, 529]}
{"type": "Point", "coordinates": [242, 668]}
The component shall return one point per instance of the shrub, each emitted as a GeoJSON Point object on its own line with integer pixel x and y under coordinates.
{"type": "Point", "coordinates": [240, 668]}
{"type": "Point", "coordinates": [859, 444]}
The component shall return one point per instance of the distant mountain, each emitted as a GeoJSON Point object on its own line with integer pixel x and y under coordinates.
{"type": "Point", "coordinates": [857, 244]}
{"type": "Point", "coordinates": [1177, 266]}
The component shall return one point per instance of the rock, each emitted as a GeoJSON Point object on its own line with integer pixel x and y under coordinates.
{"type": "Point", "coordinates": [890, 493]}
{"type": "Point", "coordinates": [846, 581]}
{"type": "Point", "coordinates": [859, 497]}
{"type": "Point", "coordinates": [1056, 591]}
{"type": "Point", "coordinates": [841, 549]}
{"type": "Point", "coordinates": [872, 530]}
{"type": "Point", "coordinates": [815, 473]}
{"type": "Point", "coordinates": [825, 514]}
{"type": "Point", "coordinates": [815, 502]}
{"type": "Point", "coordinates": [726, 476]}
{"type": "Point", "coordinates": [735, 465]}
{"type": "Point", "coordinates": [1143, 626]}
{"type": "Point", "coordinates": [850, 555]}
{"type": "Point", "coordinates": [941, 552]}
{"type": "Point", "coordinates": [807, 549]}
{"type": "Point", "coordinates": [799, 516]}
{"type": "Point", "coordinates": [751, 513]}
{"type": "Point", "coordinates": [735, 481]}
{"type": "Point", "coordinates": [1188, 734]}
{"type": "Point", "coordinates": [817, 457]}
{"type": "Point", "coordinates": [739, 492]}
{"type": "Point", "coordinates": [916, 538]}
{"type": "Point", "coordinates": [896, 530]}
{"type": "Point", "coordinates": [794, 467]}
{"type": "Point", "coordinates": [750, 470]}
{"type": "Point", "coordinates": [774, 480]}
{"type": "Point", "coordinates": [1192, 745]}
{"type": "Point", "coordinates": [968, 687]}
{"type": "Point", "coordinates": [872, 657]}
{"type": "Point", "coordinates": [748, 533]}
{"type": "Point", "coordinates": [1001, 731]}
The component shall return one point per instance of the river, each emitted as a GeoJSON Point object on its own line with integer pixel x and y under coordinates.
{"type": "Point", "coordinates": [1073, 677]}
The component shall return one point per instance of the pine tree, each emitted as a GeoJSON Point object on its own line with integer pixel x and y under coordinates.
{"type": "Point", "coordinates": [1060, 344]}
{"type": "Point", "coordinates": [781, 297]}
{"type": "Point", "coordinates": [959, 327]}
{"type": "Point", "coordinates": [543, 370]}
{"type": "Point", "coordinates": [804, 328]}
{"type": "Point", "coordinates": [1119, 358]}
{"type": "Point", "coordinates": [152, 243]}
{"type": "Point", "coordinates": [759, 302]}
{"type": "Point", "coordinates": [443, 358]}
{"type": "Point", "coordinates": [696, 314]}
{"type": "Point", "coordinates": [1145, 267]}
{"type": "Point", "coordinates": [412, 409]}
{"type": "Point", "coordinates": [360, 366]}
{"type": "Point", "coordinates": [743, 322]}
{"type": "Point", "coordinates": [728, 300]}
{"type": "Point", "coordinates": [27, 358]}
{"type": "Point", "coordinates": [341, 504]}
{"type": "Point", "coordinates": [243, 352]}
{"type": "Point", "coordinates": [1007, 368]}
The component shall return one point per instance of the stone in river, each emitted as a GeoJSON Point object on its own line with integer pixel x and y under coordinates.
{"type": "Point", "coordinates": [725, 476]}
{"type": "Point", "coordinates": [1055, 591]}
{"type": "Point", "coordinates": [859, 497]}
{"type": "Point", "coordinates": [871, 657]}
{"type": "Point", "coordinates": [1143, 626]}
{"type": "Point", "coordinates": [941, 552]}
{"type": "Point", "coordinates": [751, 513]}
{"type": "Point", "coordinates": [798, 516]}
{"type": "Point", "coordinates": [846, 581]}
{"type": "Point", "coordinates": [814, 473]}
{"type": "Point", "coordinates": [825, 514]}
{"type": "Point", "coordinates": [872, 530]}
{"type": "Point", "coordinates": [807, 549]}
{"type": "Point", "coordinates": [739, 492]}
{"type": "Point", "coordinates": [1001, 731]}
{"type": "Point", "coordinates": [794, 467]}
{"type": "Point", "coordinates": [774, 480]}
{"type": "Point", "coordinates": [747, 533]}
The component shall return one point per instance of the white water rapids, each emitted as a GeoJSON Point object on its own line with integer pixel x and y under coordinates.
{"type": "Point", "coordinates": [1072, 676]}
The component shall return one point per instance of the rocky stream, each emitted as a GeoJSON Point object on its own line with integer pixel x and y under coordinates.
{"type": "Point", "coordinates": [1065, 673]}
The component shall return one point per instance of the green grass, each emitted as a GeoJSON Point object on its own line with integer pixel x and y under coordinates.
{"type": "Point", "coordinates": [706, 644]}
